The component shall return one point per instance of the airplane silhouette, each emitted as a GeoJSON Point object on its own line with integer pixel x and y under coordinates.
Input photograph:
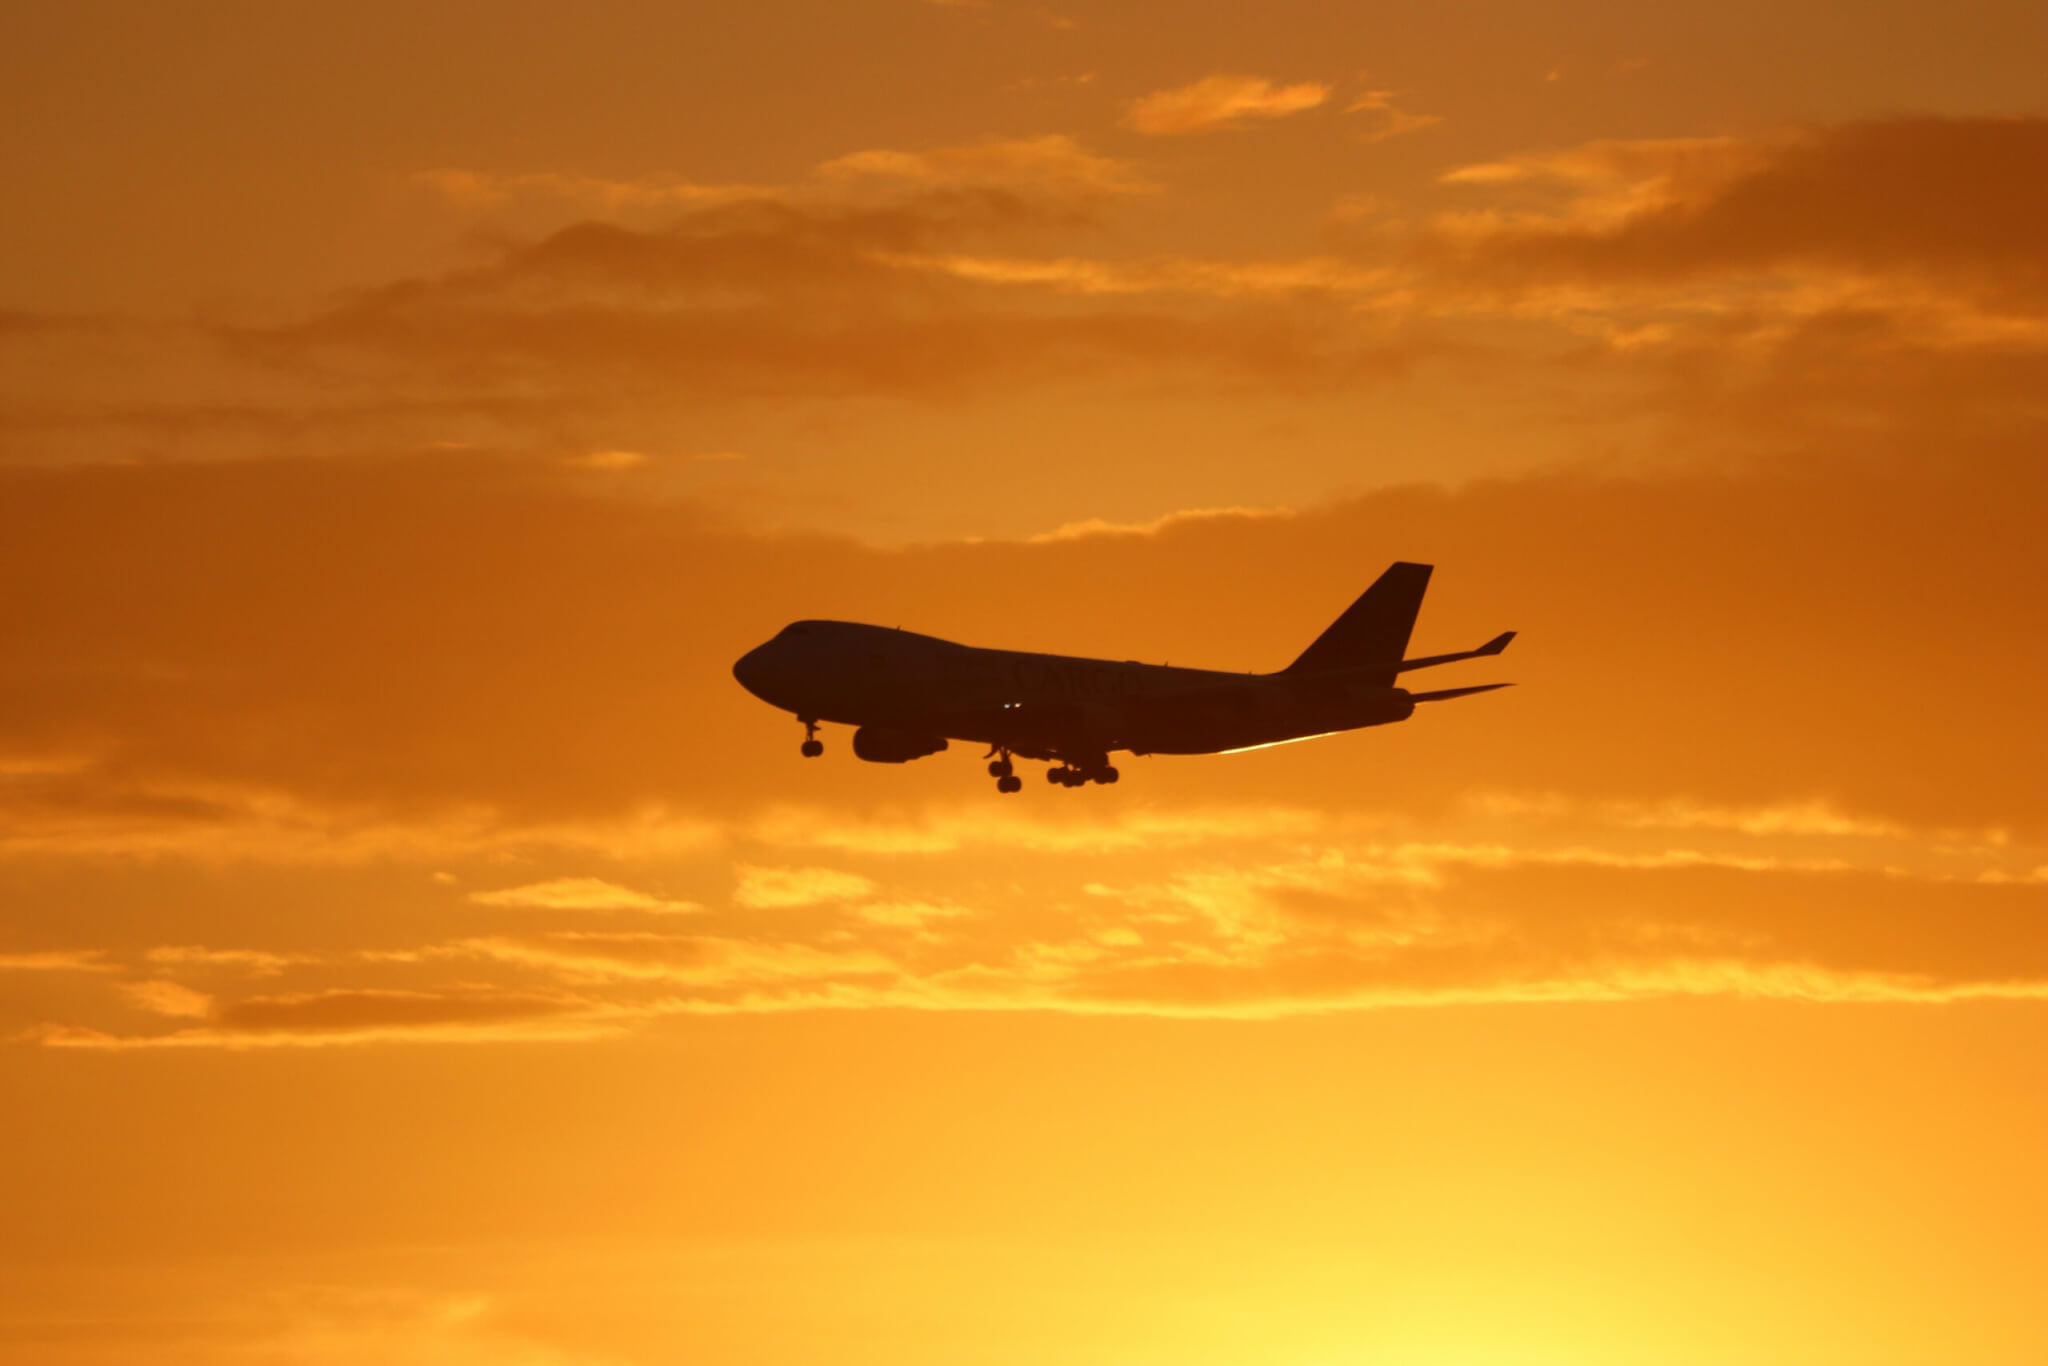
{"type": "Point", "coordinates": [908, 694]}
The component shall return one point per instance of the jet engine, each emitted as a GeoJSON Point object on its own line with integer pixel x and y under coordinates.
{"type": "Point", "coordinates": [880, 745]}
{"type": "Point", "coordinates": [1400, 706]}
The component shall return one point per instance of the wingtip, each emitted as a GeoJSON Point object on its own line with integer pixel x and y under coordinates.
{"type": "Point", "coordinates": [1497, 644]}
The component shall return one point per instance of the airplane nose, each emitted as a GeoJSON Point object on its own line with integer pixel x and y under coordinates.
{"type": "Point", "coordinates": [751, 669]}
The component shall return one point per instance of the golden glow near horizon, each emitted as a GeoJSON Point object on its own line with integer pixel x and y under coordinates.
{"type": "Point", "coordinates": [415, 947]}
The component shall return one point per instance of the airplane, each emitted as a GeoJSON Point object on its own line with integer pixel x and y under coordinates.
{"type": "Point", "coordinates": [908, 695]}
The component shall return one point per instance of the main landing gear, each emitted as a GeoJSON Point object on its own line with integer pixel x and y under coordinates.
{"type": "Point", "coordinates": [813, 746]}
{"type": "Point", "coordinates": [1068, 775]}
{"type": "Point", "coordinates": [1065, 774]}
{"type": "Point", "coordinates": [1004, 772]}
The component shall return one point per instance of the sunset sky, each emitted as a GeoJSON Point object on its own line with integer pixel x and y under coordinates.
{"type": "Point", "coordinates": [416, 948]}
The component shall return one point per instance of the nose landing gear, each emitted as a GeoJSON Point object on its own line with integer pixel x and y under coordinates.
{"type": "Point", "coordinates": [812, 746]}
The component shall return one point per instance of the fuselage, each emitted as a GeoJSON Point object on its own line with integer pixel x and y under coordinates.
{"type": "Point", "coordinates": [1045, 706]}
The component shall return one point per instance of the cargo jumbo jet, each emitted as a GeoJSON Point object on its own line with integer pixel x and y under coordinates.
{"type": "Point", "coordinates": [907, 694]}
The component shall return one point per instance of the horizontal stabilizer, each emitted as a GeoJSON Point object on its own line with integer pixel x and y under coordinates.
{"type": "Point", "coordinates": [1491, 647]}
{"type": "Point", "coordinates": [1446, 693]}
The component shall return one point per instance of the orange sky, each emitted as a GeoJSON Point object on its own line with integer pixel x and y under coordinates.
{"type": "Point", "coordinates": [414, 946]}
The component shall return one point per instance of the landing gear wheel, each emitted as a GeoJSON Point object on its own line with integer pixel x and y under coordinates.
{"type": "Point", "coordinates": [1106, 775]}
{"type": "Point", "coordinates": [1001, 768]}
{"type": "Point", "coordinates": [1009, 782]}
{"type": "Point", "coordinates": [813, 748]}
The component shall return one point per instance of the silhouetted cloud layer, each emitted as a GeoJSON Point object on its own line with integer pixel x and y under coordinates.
{"type": "Point", "coordinates": [1816, 268]}
{"type": "Point", "coordinates": [1962, 198]}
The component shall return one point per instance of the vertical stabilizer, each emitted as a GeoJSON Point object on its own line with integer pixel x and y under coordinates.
{"type": "Point", "coordinates": [1373, 632]}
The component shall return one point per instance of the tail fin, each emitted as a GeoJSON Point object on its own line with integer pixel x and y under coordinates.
{"type": "Point", "coordinates": [1373, 632]}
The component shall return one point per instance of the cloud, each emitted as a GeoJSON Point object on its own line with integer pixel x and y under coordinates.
{"type": "Point", "coordinates": [332, 1325]}
{"type": "Point", "coordinates": [485, 189]}
{"type": "Point", "coordinates": [57, 960]}
{"type": "Point", "coordinates": [758, 299]}
{"type": "Point", "coordinates": [169, 998]}
{"type": "Point", "coordinates": [1392, 122]}
{"type": "Point", "coordinates": [1330, 934]}
{"type": "Point", "coordinates": [1227, 280]}
{"type": "Point", "coordinates": [948, 829]}
{"type": "Point", "coordinates": [1959, 199]}
{"type": "Point", "coordinates": [1051, 169]}
{"type": "Point", "coordinates": [1652, 170]}
{"type": "Point", "coordinates": [710, 963]}
{"type": "Point", "coordinates": [608, 461]}
{"type": "Point", "coordinates": [765, 888]}
{"type": "Point", "coordinates": [1788, 252]}
{"type": "Point", "coordinates": [1053, 164]}
{"type": "Point", "coordinates": [982, 272]}
{"type": "Point", "coordinates": [1358, 932]}
{"type": "Point", "coordinates": [910, 914]}
{"type": "Point", "coordinates": [343, 1010]}
{"type": "Point", "coordinates": [256, 962]}
{"type": "Point", "coordinates": [1246, 913]}
{"type": "Point", "coordinates": [99, 814]}
{"type": "Point", "coordinates": [1800, 818]}
{"type": "Point", "coordinates": [939, 271]}
{"type": "Point", "coordinates": [1097, 526]}
{"type": "Point", "coordinates": [1216, 102]}
{"type": "Point", "coordinates": [345, 1016]}
{"type": "Point", "coordinates": [580, 894]}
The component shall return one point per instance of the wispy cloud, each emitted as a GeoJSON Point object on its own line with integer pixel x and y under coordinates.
{"type": "Point", "coordinates": [940, 830]}
{"type": "Point", "coordinates": [1049, 165]}
{"type": "Point", "coordinates": [1052, 163]}
{"type": "Point", "coordinates": [255, 962]}
{"type": "Point", "coordinates": [1390, 121]}
{"type": "Point", "coordinates": [580, 894]}
{"type": "Point", "coordinates": [610, 462]}
{"type": "Point", "coordinates": [349, 1016]}
{"type": "Point", "coordinates": [765, 888]}
{"type": "Point", "coordinates": [708, 962]}
{"type": "Point", "coordinates": [1099, 526]}
{"type": "Point", "coordinates": [488, 189]}
{"type": "Point", "coordinates": [1255, 913]}
{"type": "Point", "coordinates": [55, 960]}
{"type": "Point", "coordinates": [1220, 101]}
{"type": "Point", "coordinates": [1951, 198]}
{"type": "Point", "coordinates": [169, 998]}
